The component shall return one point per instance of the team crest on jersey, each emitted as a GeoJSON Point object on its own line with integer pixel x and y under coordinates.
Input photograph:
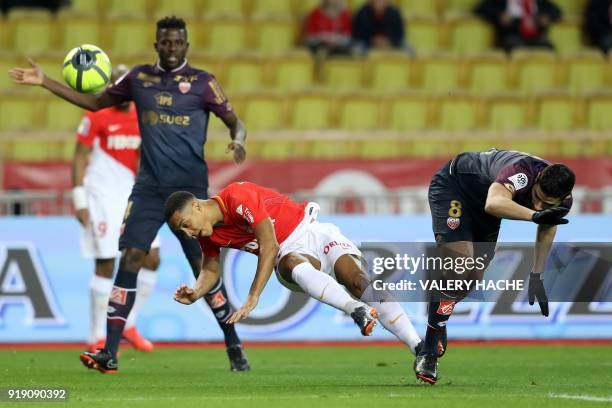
{"type": "Point", "coordinates": [118, 295]}
{"type": "Point", "coordinates": [245, 213]}
{"type": "Point", "coordinates": [453, 223]}
{"type": "Point", "coordinates": [519, 180]}
{"type": "Point", "coordinates": [446, 307]}
{"type": "Point", "coordinates": [184, 87]}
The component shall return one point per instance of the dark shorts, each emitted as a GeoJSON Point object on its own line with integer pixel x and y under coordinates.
{"type": "Point", "coordinates": [144, 216]}
{"type": "Point", "coordinates": [454, 218]}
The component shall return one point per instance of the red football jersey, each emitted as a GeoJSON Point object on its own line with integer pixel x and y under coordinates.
{"type": "Point", "coordinates": [117, 133]}
{"type": "Point", "coordinates": [245, 205]}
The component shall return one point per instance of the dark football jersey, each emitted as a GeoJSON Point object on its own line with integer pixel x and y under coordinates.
{"type": "Point", "coordinates": [173, 112]}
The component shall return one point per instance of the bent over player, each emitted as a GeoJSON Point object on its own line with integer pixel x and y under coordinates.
{"type": "Point", "coordinates": [286, 237]}
{"type": "Point", "coordinates": [173, 101]}
{"type": "Point", "coordinates": [468, 198]}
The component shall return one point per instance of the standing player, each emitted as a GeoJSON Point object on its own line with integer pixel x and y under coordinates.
{"type": "Point", "coordinates": [173, 101]}
{"type": "Point", "coordinates": [468, 198]}
{"type": "Point", "coordinates": [103, 170]}
{"type": "Point", "coordinates": [285, 236]}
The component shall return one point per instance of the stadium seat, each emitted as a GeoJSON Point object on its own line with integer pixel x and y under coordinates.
{"type": "Point", "coordinates": [555, 112]}
{"type": "Point", "coordinates": [424, 35]}
{"type": "Point", "coordinates": [372, 149]}
{"type": "Point", "coordinates": [469, 36]}
{"type": "Point", "coordinates": [507, 113]}
{"type": "Point", "coordinates": [291, 72]}
{"type": "Point", "coordinates": [61, 115]}
{"type": "Point", "coordinates": [566, 36]}
{"type": "Point", "coordinates": [186, 8]}
{"type": "Point", "coordinates": [277, 149]}
{"type": "Point", "coordinates": [427, 148]}
{"type": "Point", "coordinates": [488, 74]}
{"type": "Point", "coordinates": [599, 108]}
{"type": "Point", "coordinates": [585, 72]}
{"type": "Point", "coordinates": [460, 6]}
{"type": "Point", "coordinates": [131, 8]}
{"type": "Point", "coordinates": [273, 8]}
{"type": "Point", "coordinates": [274, 36]}
{"type": "Point", "coordinates": [311, 111]}
{"type": "Point", "coordinates": [6, 82]}
{"type": "Point", "coordinates": [572, 8]}
{"type": "Point", "coordinates": [225, 36]}
{"type": "Point", "coordinates": [242, 74]}
{"type": "Point", "coordinates": [131, 36]}
{"type": "Point", "coordinates": [440, 75]}
{"type": "Point", "coordinates": [19, 113]}
{"type": "Point", "coordinates": [31, 34]}
{"type": "Point", "coordinates": [357, 112]}
{"type": "Point", "coordinates": [535, 71]}
{"type": "Point", "coordinates": [457, 113]}
{"type": "Point", "coordinates": [83, 7]}
{"type": "Point", "coordinates": [409, 112]}
{"type": "Point", "coordinates": [216, 8]}
{"type": "Point", "coordinates": [36, 150]}
{"type": "Point", "coordinates": [78, 30]}
{"type": "Point", "coordinates": [418, 8]}
{"type": "Point", "coordinates": [304, 7]}
{"type": "Point", "coordinates": [264, 112]}
{"type": "Point", "coordinates": [343, 74]}
{"type": "Point", "coordinates": [389, 72]}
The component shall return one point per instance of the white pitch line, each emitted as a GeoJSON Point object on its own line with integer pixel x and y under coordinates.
{"type": "Point", "coordinates": [581, 397]}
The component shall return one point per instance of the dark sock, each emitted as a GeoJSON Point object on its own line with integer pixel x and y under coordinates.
{"type": "Point", "coordinates": [119, 305]}
{"type": "Point", "coordinates": [439, 313]}
{"type": "Point", "coordinates": [217, 301]}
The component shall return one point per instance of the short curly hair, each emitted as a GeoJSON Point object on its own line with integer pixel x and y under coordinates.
{"type": "Point", "coordinates": [172, 22]}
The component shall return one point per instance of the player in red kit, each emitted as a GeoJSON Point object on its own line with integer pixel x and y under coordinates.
{"type": "Point", "coordinates": [104, 167]}
{"type": "Point", "coordinates": [307, 255]}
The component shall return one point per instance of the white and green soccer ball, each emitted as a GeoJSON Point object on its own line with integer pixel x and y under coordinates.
{"type": "Point", "coordinates": [87, 69]}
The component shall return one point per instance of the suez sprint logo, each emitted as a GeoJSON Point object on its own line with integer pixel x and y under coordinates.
{"type": "Point", "coordinates": [23, 282]}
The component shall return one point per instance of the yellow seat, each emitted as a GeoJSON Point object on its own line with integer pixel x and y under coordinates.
{"type": "Point", "coordinates": [389, 72]}
{"type": "Point", "coordinates": [418, 8]}
{"type": "Point", "coordinates": [409, 112]}
{"type": "Point", "coordinates": [573, 8]}
{"type": "Point", "coordinates": [536, 71]}
{"type": "Point", "coordinates": [78, 31]}
{"type": "Point", "coordinates": [424, 35]}
{"type": "Point", "coordinates": [243, 74]}
{"type": "Point", "coordinates": [507, 113]}
{"type": "Point", "coordinates": [131, 8]}
{"type": "Point", "coordinates": [264, 113]}
{"type": "Point", "coordinates": [488, 74]}
{"type": "Point", "coordinates": [359, 113]}
{"type": "Point", "coordinates": [344, 74]}
{"type": "Point", "coordinates": [6, 82]}
{"type": "Point", "coordinates": [274, 36]}
{"type": "Point", "coordinates": [470, 36]}
{"type": "Point", "coordinates": [233, 8]}
{"type": "Point", "coordinates": [441, 75]}
{"type": "Point", "coordinates": [304, 7]}
{"type": "Point", "coordinates": [131, 36]}
{"type": "Point", "coordinates": [187, 8]}
{"type": "Point", "coordinates": [311, 111]}
{"type": "Point", "coordinates": [566, 37]}
{"type": "Point", "coordinates": [272, 8]}
{"type": "Point", "coordinates": [84, 7]}
{"type": "Point", "coordinates": [61, 115]}
{"type": "Point", "coordinates": [291, 73]}
{"type": "Point", "coordinates": [460, 6]}
{"type": "Point", "coordinates": [31, 35]}
{"type": "Point", "coordinates": [372, 149]}
{"type": "Point", "coordinates": [226, 36]}
{"type": "Point", "coordinates": [585, 73]}
{"type": "Point", "coordinates": [555, 112]}
{"type": "Point", "coordinates": [599, 117]}
{"type": "Point", "coordinates": [458, 113]}
{"type": "Point", "coordinates": [35, 150]}
{"type": "Point", "coordinates": [19, 113]}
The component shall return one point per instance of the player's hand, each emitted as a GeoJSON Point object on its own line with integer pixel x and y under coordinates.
{"type": "Point", "coordinates": [551, 216]}
{"type": "Point", "coordinates": [536, 291]}
{"type": "Point", "coordinates": [28, 76]}
{"type": "Point", "coordinates": [238, 149]}
{"type": "Point", "coordinates": [244, 311]}
{"type": "Point", "coordinates": [83, 216]}
{"type": "Point", "coordinates": [185, 295]}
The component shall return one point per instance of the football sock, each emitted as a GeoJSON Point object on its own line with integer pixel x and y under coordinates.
{"type": "Point", "coordinates": [145, 285]}
{"type": "Point", "coordinates": [393, 317]}
{"type": "Point", "coordinates": [120, 303]}
{"type": "Point", "coordinates": [217, 301]}
{"type": "Point", "coordinates": [323, 287]}
{"type": "Point", "coordinates": [439, 313]}
{"type": "Point", "coordinates": [99, 292]}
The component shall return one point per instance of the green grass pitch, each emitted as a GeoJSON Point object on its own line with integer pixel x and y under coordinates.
{"type": "Point", "coordinates": [368, 376]}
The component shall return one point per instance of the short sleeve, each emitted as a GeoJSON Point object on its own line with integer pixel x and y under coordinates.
{"type": "Point", "coordinates": [213, 98]}
{"type": "Point", "coordinates": [121, 90]}
{"type": "Point", "coordinates": [518, 175]}
{"type": "Point", "coordinates": [244, 203]}
{"type": "Point", "coordinates": [87, 130]}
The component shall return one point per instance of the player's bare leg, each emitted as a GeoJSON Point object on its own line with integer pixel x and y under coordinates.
{"type": "Point", "coordinates": [392, 316]}
{"type": "Point", "coordinates": [304, 271]}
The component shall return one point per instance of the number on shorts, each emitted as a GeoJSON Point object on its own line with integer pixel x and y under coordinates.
{"type": "Point", "coordinates": [455, 209]}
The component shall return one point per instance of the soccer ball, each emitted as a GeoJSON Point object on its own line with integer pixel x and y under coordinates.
{"type": "Point", "coordinates": [87, 69]}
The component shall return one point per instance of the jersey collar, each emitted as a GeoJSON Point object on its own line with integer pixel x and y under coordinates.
{"type": "Point", "coordinates": [183, 65]}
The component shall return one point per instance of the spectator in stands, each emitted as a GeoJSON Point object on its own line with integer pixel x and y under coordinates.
{"type": "Point", "coordinates": [328, 28]}
{"type": "Point", "coordinates": [598, 23]}
{"type": "Point", "coordinates": [378, 24]}
{"type": "Point", "coordinates": [520, 23]}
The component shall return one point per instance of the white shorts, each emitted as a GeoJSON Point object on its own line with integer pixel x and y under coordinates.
{"type": "Point", "coordinates": [100, 240]}
{"type": "Point", "coordinates": [322, 241]}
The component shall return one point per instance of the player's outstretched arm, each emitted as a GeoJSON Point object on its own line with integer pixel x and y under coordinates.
{"type": "Point", "coordinates": [499, 204]}
{"type": "Point", "coordinates": [209, 276]}
{"type": "Point", "coordinates": [268, 249]}
{"type": "Point", "coordinates": [35, 76]}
